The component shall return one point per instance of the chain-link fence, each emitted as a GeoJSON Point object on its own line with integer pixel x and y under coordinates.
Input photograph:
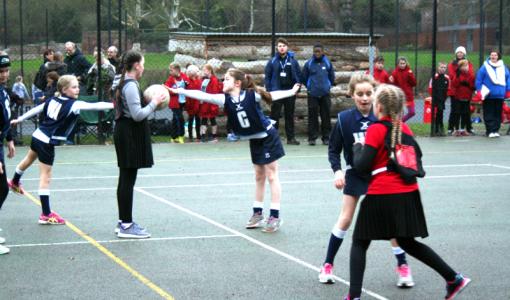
{"type": "Point", "coordinates": [238, 34]}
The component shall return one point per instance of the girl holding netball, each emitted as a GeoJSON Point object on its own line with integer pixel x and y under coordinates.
{"type": "Point", "coordinates": [241, 100]}
{"type": "Point", "coordinates": [60, 114]}
{"type": "Point", "coordinates": [392, 207]}
{"type": "Point", "coordinates": [350, 128]}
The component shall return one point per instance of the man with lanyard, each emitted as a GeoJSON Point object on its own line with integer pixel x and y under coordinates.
{"type": "Point", "coordinates": [5, 115]}
{"type": "Point", "coordinates": [281, 73]}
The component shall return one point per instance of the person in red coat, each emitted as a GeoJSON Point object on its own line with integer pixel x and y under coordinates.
{"type": "Point", "coordinates": [403, 77]}
{"type": "Point", "coordinates": [453, 71]}
{"type": "Point", "coordinates": [380, 74]}
{"type": "Point", "coordinates": [464, 86]}
{"type": "Point", "coordinates": [192, 106]}
{"type": "Point", "coordinates": [177, 79]}
{"type": "Point", "coordinates": [208, 111]}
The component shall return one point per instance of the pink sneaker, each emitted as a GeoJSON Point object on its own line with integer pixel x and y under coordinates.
{"type": "Point", "coordinates": [17, 188]}
{"type": "Point", "coordinates": [51, 219]}
{"type": "Point", "coordinates": [405, 279]}
{"type": "Point", "coordinates": [326, 274]}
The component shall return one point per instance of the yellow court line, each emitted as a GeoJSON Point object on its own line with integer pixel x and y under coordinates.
{"type": "Point", "coordinates": [112, 256]}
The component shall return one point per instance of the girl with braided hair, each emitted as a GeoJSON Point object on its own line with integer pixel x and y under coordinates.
{"type": "Point", "coordinates": [241, 100]}
{"type": "Point", "coordinates": [392, 208]}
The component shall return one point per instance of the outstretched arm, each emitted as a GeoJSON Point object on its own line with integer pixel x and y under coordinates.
{"type": "Point", "coordinates": [218, 99]}
{"type": "Point", "coordinates": [82, 105]}
{"type": "Point", "coordinates": [278, 95]}
{"type": "Point", "coordinates": [33, 112]}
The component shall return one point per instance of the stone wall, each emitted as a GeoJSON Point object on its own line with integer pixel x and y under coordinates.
{"type": "Point", "coordinates": [250, 53]}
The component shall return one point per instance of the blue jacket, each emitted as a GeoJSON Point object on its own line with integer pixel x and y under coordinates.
{"type": "Point", "coordinates": [319, 76]}
{"type": "Point", "coordinates": [497, 91]}
{"type": "Point", "coordinates": [273, 68]}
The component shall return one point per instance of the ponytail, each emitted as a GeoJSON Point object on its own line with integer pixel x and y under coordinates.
{"type": "Point", "coordinates": [249, 84]}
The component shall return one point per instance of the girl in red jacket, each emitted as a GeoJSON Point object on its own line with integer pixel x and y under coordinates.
{"type": "Point", "coordinates": [192, 106]}
{"type": "Point", "coordinates": [380, 74]}
{"type": "Point", "coordinates": [177, 79]}
{"type": "Point", "coordinates": [464, 86]}
{"type": "Point", "coordinates": [403, 77]}
{"type": "Point", "coordinates": [209, 111]}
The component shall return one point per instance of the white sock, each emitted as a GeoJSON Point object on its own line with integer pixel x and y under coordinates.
{"type": "Point", "coordinates": [339, 233]}
{"type": "Point", "coordinates": [275, 206]}
{"type": "Point", "coordinates": [397, 250]}
{"type": "Point", "coordinates": [257, 204]}
{"type": "Point", "coordinates": [19, 172]}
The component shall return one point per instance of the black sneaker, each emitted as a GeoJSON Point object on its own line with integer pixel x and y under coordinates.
{"type": "Point", "coordinates": [455, 287]}
{"type": "Point", "coordinates": [293, 142]}
{"type": "Point", "coordinates": [311, 143]}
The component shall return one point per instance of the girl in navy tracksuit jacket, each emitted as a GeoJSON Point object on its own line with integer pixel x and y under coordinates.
{"type": "Point", "coordinates": [350, 128]}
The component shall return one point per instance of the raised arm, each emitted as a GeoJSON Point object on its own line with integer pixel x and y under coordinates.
{"type": "Point", "coordinates": [217, 99]}
{"type": "Point", "coordinates": [278, 95]}
{"type": "Point", "coordinates": [82, 105]}
{"type": "Point", "coordinates": [33, 112]}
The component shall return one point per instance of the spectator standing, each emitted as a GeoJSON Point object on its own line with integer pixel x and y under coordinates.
{"type": "Point", "coordinates": [453, 71]}
{"type": "Point", "coordinates": [492, 86]}
{"type": "Point", "coordinates": [107, 75]}
{"type": "Point", "coordinates": [319, 76]}
{"type": "Point", "coordinates": [77, 64]}
{"type": "Point", "coordinates": [177, 79]}
{"type": "Point", "coordinates": [464, 86]}
{"type": "Point", "coordinates": [192, 106]}
{"type": "Point", "coordinates": [281, 73]}
{"type": "Point", "coordinates": [39, 83]}
{"type": "Point", "coordinates": [438, 89]}
{"type": "Point", "coordinates": [20, 89]}
{"type": "Point", "coordinates": [113, 58]}
{"type": "Point", "coordinates": [403, 77]}
{"type": "Point", "coordinates": [380, 74]}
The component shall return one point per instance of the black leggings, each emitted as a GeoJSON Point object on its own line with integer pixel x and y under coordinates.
{"type": "Point", "coordinates": [414, 248]}
{"type": "Point", "coordinates": [204, 121]}
{"type": "Point", "coordinates": [127, 180]}
{"type": "Point", "coordinates": [4, 188]}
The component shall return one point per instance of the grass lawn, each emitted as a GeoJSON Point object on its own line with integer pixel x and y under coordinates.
{"type": "Point", "coordinates": [424, 58]}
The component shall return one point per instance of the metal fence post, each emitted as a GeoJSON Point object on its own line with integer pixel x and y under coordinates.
{"type": "Point", "coordinates": [500, 32]}
{"type": "Point", "coordinates": [5, 25]}
{"type": "Point", "coordinates": [99, 87]}
{"type": "Point", "coordinates": [481, 35]}
{"type": "Point", "coordinates": [119, 13]}
{"type": "Point", "coordinates": [371, 49]}
{"type": "Point", "coordinates": [305, 16]}
{"type": "Point", "coordinates": [109, 23]}
{"type": "Point", "coordinates": [433, 67]}
{"type": "Point", "coordinates": [273, 27]}
{"type": "Point", "coordinates": [397, 29]}
{"type": "Point", "coordinates": [47, 30]}
{"type": "Point", "coordinates": [21, 35]}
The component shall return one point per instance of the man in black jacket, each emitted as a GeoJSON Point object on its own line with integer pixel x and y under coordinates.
{"type": "Point", "coordinates": [77, 64]}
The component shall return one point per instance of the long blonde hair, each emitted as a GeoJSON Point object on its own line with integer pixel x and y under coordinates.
{"type": "Point", "coordinates": [391, 100]}
{"type": "Point", "coordinates": [63, 83]}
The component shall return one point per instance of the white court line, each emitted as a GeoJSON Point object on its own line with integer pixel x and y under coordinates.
{"type": "Point", "coordinates": [246, 157]}
{"type": "Point", "coordinates": [499, 166]}
{"type": "Point", "coordinates": [250, 239]}
{"type": "Point", "coordinates": [207, 185]}
{"type": "Point", "coordinates": [126, 241]}
{"type": "Point", "coordinates": [201, 174]}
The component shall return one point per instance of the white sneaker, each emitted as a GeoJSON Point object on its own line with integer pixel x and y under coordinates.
{"type": "Point", "coordinates": [4, 250]}
{"type": "Point", "coordinates": [405, 279]}
{"type": "Point", "coordinates": [496, 134]}
{"type": "Point", "coordinates": [2, 240]}
{"type": "Point", "coordinates": [326, 274]}
{"type": "Point", "coordinates": [492, 135]}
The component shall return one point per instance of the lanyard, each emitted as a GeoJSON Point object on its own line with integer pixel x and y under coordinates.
{"type": "Point", "coordinates": [284, 63]}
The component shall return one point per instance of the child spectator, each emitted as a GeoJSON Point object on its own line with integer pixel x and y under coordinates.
{"type": "Point", "coordinates": [209, 111]}
{"type": "Point", "coordinates": [464, 86]}
{"type": "Point", "coordinates": [193, 106]}
{"type": "Point", "coordinates": [380, 74]}
{"type": "Point", "coordinates": [51, 85]}
{"type": "Point", "coordinates": [177, 79]}
{"type": "Point", "coordinates": [438, 89]}
{"type": "Point", "coordinates": [403, 77]}
{"type": "Point", "coordinates": [20, 89]}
